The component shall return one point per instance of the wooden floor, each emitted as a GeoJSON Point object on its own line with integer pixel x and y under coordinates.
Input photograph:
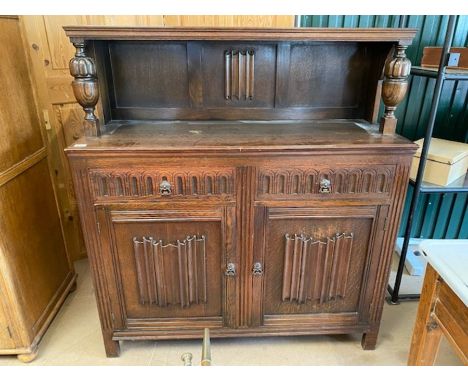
{"type": "Point", "coordinates": [75, 339]}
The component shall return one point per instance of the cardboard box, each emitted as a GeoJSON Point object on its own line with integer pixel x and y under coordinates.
{"type": "Point", "coordinates": [446, 161]}
{"type": "Point", "coordinates": [431, 57]}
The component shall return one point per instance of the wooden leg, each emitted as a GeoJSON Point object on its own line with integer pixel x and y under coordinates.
{"type": "Point", "coordinates": [28, 357]}
{"type": "Point", "coordinates": [112, 347]}
{"type": "Point", "coordinates": [426, 334]}
{"type": "Point", "coordinates": [369, 339]}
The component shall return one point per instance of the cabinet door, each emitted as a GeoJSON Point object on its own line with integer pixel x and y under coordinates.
{"type": "Point", "coordinates": [169, 266]}
{"type": "Point", "coordinates": [315, 264]}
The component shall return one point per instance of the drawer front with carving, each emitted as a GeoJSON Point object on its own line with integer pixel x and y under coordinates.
{"type": "Point", "coordinates": [310, 182]}
{"type": "Point", "coordinates": [314, 260]}
{"type": "Point", "coordinates": [170, 266]}
{"type": "Point", "coordinates": [111, 184]}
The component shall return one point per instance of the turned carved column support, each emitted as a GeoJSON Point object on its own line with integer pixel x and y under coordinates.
{"type": "Point", "coordinates": [85, 87]}
{"type": "Point", "coordinates": [394, 87]}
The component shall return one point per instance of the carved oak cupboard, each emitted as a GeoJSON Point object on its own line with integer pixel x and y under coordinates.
{"type": "Point", "coordinates": [239, 180]}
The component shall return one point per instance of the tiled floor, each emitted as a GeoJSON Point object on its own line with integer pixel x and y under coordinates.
{"type": "Point", "coordinates": [74, 338]}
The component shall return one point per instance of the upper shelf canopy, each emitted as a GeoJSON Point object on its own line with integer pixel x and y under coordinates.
{"type": "Point", "coordinates": [403, 36]}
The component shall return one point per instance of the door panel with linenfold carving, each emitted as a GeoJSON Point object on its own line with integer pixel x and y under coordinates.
{"type": "Point", "coordinates": [168, 264]}
{"type": "Point", "coordinates": [314, 260]}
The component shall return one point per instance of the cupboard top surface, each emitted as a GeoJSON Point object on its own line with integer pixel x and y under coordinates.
{"type": "Point", "coordinates": [240, 136]}
{"type": "Point", "coordinates": [401, 35]}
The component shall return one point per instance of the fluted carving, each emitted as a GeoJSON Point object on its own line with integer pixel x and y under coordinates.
{"type": "Point", "coordinates": [173, 273]}
{"type": "Point", "coordinates": [129, 184]}
{"type": "Point", "coordinates": [85, 87]}
{"type": "Point", "coordinates": [299, 182]}
{"type": "Point", "coordinates": [394, 87]}
{"type": "Point", "coordinates": [239, 74]}
{"type": "Point", "coordinates": [316, 270]}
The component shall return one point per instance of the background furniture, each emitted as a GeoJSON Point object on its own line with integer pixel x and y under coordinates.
{"type": "Point", "coordinates": [35, 273]}
{"type": "Point", "coordinates": [459, 186]}
{"type": "Point", "coordinates": [230, 187]}
{"type": "Point", "coordinates": [443, 309]}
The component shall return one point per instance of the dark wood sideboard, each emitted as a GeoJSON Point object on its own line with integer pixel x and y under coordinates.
{"type": "Point", "coordinates": [238, 179]}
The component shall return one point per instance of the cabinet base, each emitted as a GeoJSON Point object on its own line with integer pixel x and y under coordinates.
{"type": "Point", "coordinates": [112, 348]}
{"type": "Point", "coordinates": [369, 340]}
{"type": "Point", "coordinates": [369, 337]}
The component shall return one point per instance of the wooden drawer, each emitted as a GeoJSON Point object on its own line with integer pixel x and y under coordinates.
{"type": "Point", "coordinates": [319, 182]}
{"type": "Point", "coordinates": [151, 183]}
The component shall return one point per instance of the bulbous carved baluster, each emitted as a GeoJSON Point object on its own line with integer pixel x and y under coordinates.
{"type": "Point", "coordinates": [85, 88]}
{"type": "Point", "coordinates": [394, 87]}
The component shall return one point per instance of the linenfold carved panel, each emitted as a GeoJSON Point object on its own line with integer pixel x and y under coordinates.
{"type": "Point", "coordinates": [343, 181]}
{"type": "Point", "coordinates": [316, 270]}
{"type": "Point", "coordinates": [172, 273]}
{"type": "Point", "coordinates": [115, 183]}
{"type": "Point", "coordinates": [239, 74]}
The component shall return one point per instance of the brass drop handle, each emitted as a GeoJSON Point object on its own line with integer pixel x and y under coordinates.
{"type": "Point", "coordinates": [257, 269]}
{"type": "Point", "coordinates": [325, 186]}
{"type": "Point", "coordinates": [230, 269]}
{"type": "Point", "coordinates": [165, 188]}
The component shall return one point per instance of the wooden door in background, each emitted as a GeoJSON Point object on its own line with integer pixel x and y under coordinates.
{"type": "Point", "coordinates": [50, 52]}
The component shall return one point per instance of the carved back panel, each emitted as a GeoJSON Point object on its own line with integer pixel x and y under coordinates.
{"type": "Point", "coordinates": [238, 79]}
